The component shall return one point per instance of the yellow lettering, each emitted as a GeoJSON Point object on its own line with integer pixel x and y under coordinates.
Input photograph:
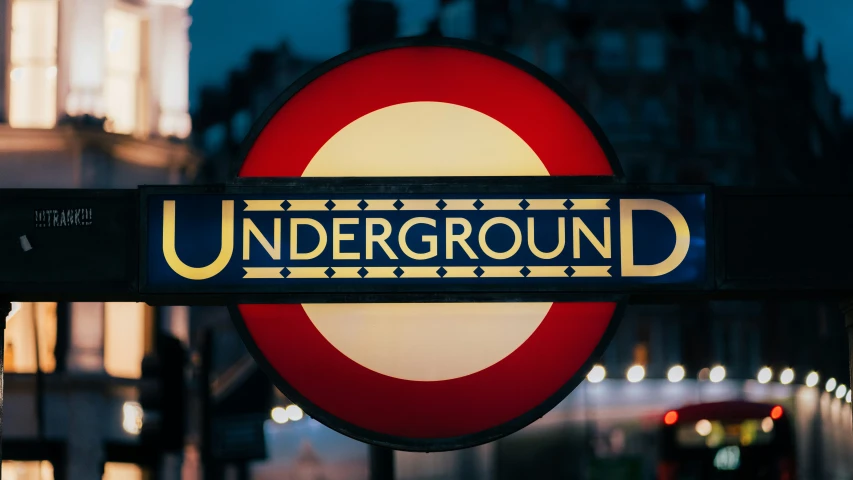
{"type": "Point", "coordinates": [431, 240]}
{"type": "Point", "coordinates": [460, 238]}
{"type": "Point", "coordinates": [578, 226]}
{"type": "Point", "coordinates": [626, 227]}
{"type": "Point", "coordinates": [250, 229]}
{"type": "Point", "coordinates": [515, 231]}
{"type": "Point", "coordinates": [561, 239]}
{"type": "Point", "coordinates": [321, 245]}
{"type": "Point", "coordinates": [225, 250]}
{"type": "Point", "coordinates": [338, 237]}
{"type": "Point", "coordinates": [381, 239]}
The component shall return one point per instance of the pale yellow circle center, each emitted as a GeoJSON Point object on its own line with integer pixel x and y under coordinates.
{"type": "Point", "coordinates": [431, 341]}
{"type": "Point", "coordinates": [425, 139]}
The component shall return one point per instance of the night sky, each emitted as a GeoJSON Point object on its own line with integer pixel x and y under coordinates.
{"type": "Point", "coordinates": [224, 32]}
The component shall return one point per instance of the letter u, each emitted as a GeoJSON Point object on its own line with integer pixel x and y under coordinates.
{"type": "Point", "coordinates": [225, 250]}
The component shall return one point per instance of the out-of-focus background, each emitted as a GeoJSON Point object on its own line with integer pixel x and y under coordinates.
{"type": "Point", "coordinates": [110, 94]}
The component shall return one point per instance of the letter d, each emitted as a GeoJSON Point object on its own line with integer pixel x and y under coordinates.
{"type": "Point", "coordinates": [225, 250]}
{"type": "Point", "coordinates": [682, 237]}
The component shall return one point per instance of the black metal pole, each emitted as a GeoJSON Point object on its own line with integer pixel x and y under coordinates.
{"type": "Point", "coordinates": [5, 309]}
{"type": "Point", "coordinates": [381, 463]}
{"type": "Point", "coordinates": [588, 448]}
{"type": "Point", "coordinates": [847, 309]}
{"type": "Point", "coordinates": [39, 381]}
{"type": "Point", "coordinates": [209, 466]}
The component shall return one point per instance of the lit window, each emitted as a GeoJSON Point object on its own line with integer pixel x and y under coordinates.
{"type": "Point", "coordinates": [124, 339]}
{"type": "Point", "coordinates": [122, 92]}
{"type": "Point", "coordinates": [14, 470]}
{"type": "Point", "coordinates": [650, 51]}
{"type": "Point", "coordinates": [32, 66]}
{"type": "Point", "coordinates": [122, 471]}
{"type": "Point", "coordinates": [612, 50]}
{"type": "Point", "coordinates": [34, 322]}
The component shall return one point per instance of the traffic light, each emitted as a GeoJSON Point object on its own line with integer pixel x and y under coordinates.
{"type": "Point", "coordinates": [163, 396]}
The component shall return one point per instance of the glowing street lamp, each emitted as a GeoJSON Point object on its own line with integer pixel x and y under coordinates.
{"type": "Point", "coordinates": [675, 374]}
{"type": "Point", "coordinates": [294, 413]}
{"type": "Point", "coordinates": [132, 417]}
{"type": "Point", "coordinates": [717, 374]}
{"type": "Point", "coordinates": [831, 384]}
{"type": "Point", "coordinates": [636, 373]}
{"type": "Point", "coordinates": [597, 374]}
{"type": "Point", "coordinates": [764, 375]}
{"type": "Point", "coordinates": [279, 415]}
{"type": "Point", "coordinates": [704, 427]}
{"type": "Point", "coordinates": [787, 376]}
{"type": "Point", "coordinates": [840, 391]}
{"type": "Point", "coordinates": [812, 379]}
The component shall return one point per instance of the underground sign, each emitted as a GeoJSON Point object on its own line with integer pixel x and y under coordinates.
{"type": "Point", "coordinates": [449, 369]}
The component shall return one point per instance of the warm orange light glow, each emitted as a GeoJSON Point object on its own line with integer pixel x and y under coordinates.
{"type": "Point", "coordinates": [32, 470]}
{"type": "Point", "coordinates": [776, 412]}
{"type": "Point", "coordinates": [121, 85]}
{"type": "Point", "coordinates": [122, 471]}
{"type": "Point", "coordinates": [32, 72]}
{"type": "Point", "coordinates": [21, 335]}
{"type": "Point", "coordinates": [124, 339]}
{"type": "Point", "coordinates": [671, 417]}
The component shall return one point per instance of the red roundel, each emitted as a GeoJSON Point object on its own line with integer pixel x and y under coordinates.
{"type": "Point", "coordinates": [432, 376]}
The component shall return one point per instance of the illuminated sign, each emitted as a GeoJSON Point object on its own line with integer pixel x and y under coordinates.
{"type": "Point", "coordinates": [284, 242]}
{"type": "Point", "coordinates": [426, 244]}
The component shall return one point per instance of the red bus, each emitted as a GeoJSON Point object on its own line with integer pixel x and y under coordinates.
{"type": "Point", "coordinates": [727, 440]}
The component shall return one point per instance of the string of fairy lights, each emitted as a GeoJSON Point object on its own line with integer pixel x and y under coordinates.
{"type": "Point", "coordinates": [637, 373]}
{"type": "Point", "coordinates": [717, 373]}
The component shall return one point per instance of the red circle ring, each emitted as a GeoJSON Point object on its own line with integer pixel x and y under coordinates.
{"type": "Point", "coordinates": [483, 406]}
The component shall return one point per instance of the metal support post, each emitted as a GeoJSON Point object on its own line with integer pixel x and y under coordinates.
{"type": "Point", "coordinates": [5, 309]}
{"type": "Point", "coordinates": [847, 309]}
{"type": "Point", "coordinates": [381, 463]}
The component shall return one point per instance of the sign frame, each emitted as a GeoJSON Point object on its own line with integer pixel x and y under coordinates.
{"type": "Point", "coordinates": [441, 184]}
{"type": "Point", "coordinates": [368, 293]}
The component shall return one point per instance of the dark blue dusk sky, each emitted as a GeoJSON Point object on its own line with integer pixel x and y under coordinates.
{"type": "Point", "coordinates": [224, 32]}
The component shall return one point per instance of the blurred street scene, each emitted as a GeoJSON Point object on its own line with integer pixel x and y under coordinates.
{"type": "Point", "coordinates": [97, 95]}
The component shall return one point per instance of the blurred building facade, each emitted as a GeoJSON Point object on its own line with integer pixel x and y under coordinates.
{"type": "Point", "coordinates": [226, 114]}
{"type": "Point", "coordinates": [693, 91]}
{"type": "Point", "coordinates": [687, 91]}
{"type": "Point", "coordinates": [93, 94]}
